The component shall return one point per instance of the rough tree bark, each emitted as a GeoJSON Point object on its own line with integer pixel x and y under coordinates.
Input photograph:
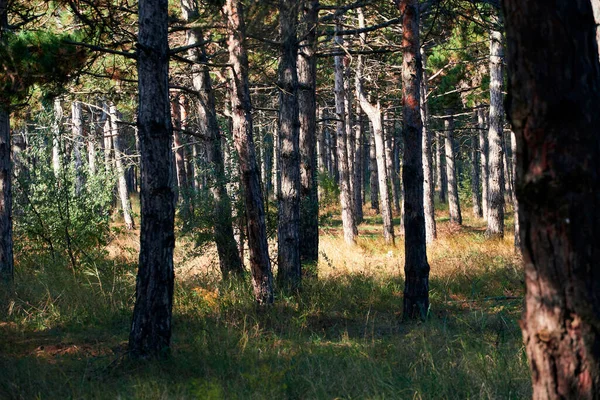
{"type": "Point", "coordinates": [288, 228]}
{"type": "Point", "coordinates": [121, 182]}
{"type": "Point", "coordinates": [229, 257]}
{"type": "Point", "coordinates": [373, 179]}
{"type": "Point", "coordinates": [495, 214]}
{"type": "Point", "coordinates": [348, 222]}
{"type": "Point", "coordinates": [150, 334]}
{"type": "Point", "coordinates": [453, 201]}
{"type": "Point", "coordinates": [428, 184]}
{"type": "Point", "coordinates": [513, 146]}
{"type": "Point", "coordinates": [241, 112]}
{"type": "Point", "coordinates": [554, 92]}
{"type": "Point", "coordinates": [358, 166]}
{"type": "Point", "coordinates": [307, 100]}
{"type": "Point", "coordinates": [416, 267]}
{"type": "Point", "coordinates": [6, 242]}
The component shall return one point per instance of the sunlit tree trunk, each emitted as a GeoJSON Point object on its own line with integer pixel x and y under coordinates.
{"type": "Point", "coordinates": [307, 99]}
{"type": "Point", "coordinates": [77, 130]}
{"type": "Point", "coordinates": [150, 334]}
{"type": "Point", "coordinates": [121, 182]}
{"type": "Point", "coordinates": [358, 166]}
{"type": "Point", "coordinates": [416, 267]}
{"type": "Point", "coordinates": [56, 137]}
{"type": "Point", "coordinates": [373, 172]}
{"type": "Point", "coordinates": [495, 215]}
{"type": "Point", "coordinates": [178, 148]}
{"type": "Point", "coordinates": [440, 166]}
{"type": "Point", "coordinates": [453, 201]}
{"type": "Point", "coordinates": [348, 222]}
{"type": "Point", "coordinates": [475, 170]}
{"type": "Point", "coordinates": [241, 110]}
{"type": "Point", "coordinates": [554, 93]}
{"type": "Point", "coordinates": [428, 184]}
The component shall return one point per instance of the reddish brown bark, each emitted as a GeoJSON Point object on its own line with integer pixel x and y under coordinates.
{"type": "Point", "coordinates": [554, 94]}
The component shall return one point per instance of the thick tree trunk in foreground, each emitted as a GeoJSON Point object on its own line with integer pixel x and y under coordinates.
{"type": "Point", "coordinates": [554, 93]}
{"type": "Point", "coordinates": [229, 257]}
{"type": "Point", "coordinates": [6, 242]}
{"type": "Point", "coordinates": [121, 182]}
{"type": "Point", "coordinates": [151, 326]}
{"type": "Point", "coordinates": [307, 100]}
{"type": "Point", "coordinates": [495, 215]}
{"type": "Point", "coordinates": [241, 108]}
{"type": "Point", "coordinates": [288, 228]}
{"type": "Point", "coordinates": [483, 149]}
{"type": "Point", "coordinates": [453, 201]}
{"type": "Point", "coordinates": [428, 184]}
{"type": "Point", "coordinates": [416, 267]}
{"type": "Point", "coordinates": [348, 222]}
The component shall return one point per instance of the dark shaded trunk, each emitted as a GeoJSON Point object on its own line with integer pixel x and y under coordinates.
{"type": "Point", "coordinates": [6, 231]}
{"type": "Point", "coordinates": [554, 92]}
{"type": "Point", "coordinates": [348, 222]}
{"type": "Point", "coordinates": [416, 267]}
{"type": "Point", "coordinates": [241, 108]}
{"type": "Point", "coordinates": [229, 257]}
{"type": "Point", "coordinates": [307, 99]}
{"type": "Point", "coordinates": [453, 201]}
{"type": "Point", "coordinates": [150, 334]}
{"type": "Point", "coordinates": [495, 215]}
{"type": "Point", "coordinates": [288, 228]}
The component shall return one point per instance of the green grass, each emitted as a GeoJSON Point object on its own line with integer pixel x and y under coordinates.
{"type": "Point", "coordinates": [64, 335]}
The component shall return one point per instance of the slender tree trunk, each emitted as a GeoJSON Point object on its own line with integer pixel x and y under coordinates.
{"type": "Point", "coordinates": [56, 153]}
{"type": "Point", "coordinates": [453, 201]}
{"type": "Point", "coordinates": [495, 226]}
{"type": "Point", "coordinates": [151, 327]}
{"type": "Point", "coordinates": [122, 183]}
{"type": "Point", "coordinates": [416, 267]}
{"type": "Point", "coordinates": [322, 146]}
{"type": "Point", "coordinates": [428, 184]}
{"type": "Point", "coordinates": [241, 108]}
{"type": "Point", "coordinates": [91, 143]}
{"type": "Point", "coordinates": [508, 184]}
{"type": "Point", "coordinates": [178, 149]}
{"type": "Point", "coordinates": [288, 228]}
{"type": "Point", "coordinates": [475, 169]}
{"type": "Point", "coordinates": [483, 148]}
{"type": "Point", "coordinates": [307, 100]}
{"type": "Point", "coordinates": [554, 92]}
{"type": "Point", "coordinates": [350, 137]}
{"type": "Point", "coordinates": [373, 172]}
{"type": "Point", "coordinates": [358, 166]}
{"type": "Point", "coordinates": [6, 227]}
{"type": "Point", "coordinates": [107, 138]}
{"type": "Point", "coordinates": [349, 224]}
{"type": "Point", "coordinates": [513, 145]}
{"type": "Point", "coordinates": [389, 160]}
{"type": "Point", "coordinates": [77, 130]}
{"type": "Point", "coordinates": [440, 166]}
{"type": "Point", "coordinates": [229, 257]}
{"type": "Point", "coordinates": [374, 114]}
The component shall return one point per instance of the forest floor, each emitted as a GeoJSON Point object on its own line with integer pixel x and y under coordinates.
{"type": "Point", "coordinates": [64, 334]}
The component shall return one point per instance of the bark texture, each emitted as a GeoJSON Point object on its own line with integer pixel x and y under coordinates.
{"type": "Point", "coordinates": [495, 214]}
{"type": "Point", "coordinates": [307, 100]}
{"type": "Point", "coordinates": [475, 170]}
{"type": "Point", "coordinates": [554, 92]}
{"type": "Point", "coordinates": [483, 151]}
{"type": "Point", "coordinates": [288, 228]}
{"type": "Point", "coordinates": [373, 178]}
{"type": "Point", "coordinates": [440, 167]}
{"type": "Point", "coordinates": [6, 231]}
{"type": "Point", "coordinates": [229, 257]}
{"type": "Point", "coordinates": [77, 131]}
{"type": "Point", "coordinates": [150, 334]}
{"type": "Point", "coordinates": [241, 107]}
{"type": "Point", "coordinates": [416, 267]}
{"type": "Point", "coordinates": [453, 201]}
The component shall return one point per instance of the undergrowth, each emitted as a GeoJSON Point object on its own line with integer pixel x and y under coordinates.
{"type": "Point", "coordinates": [63, 333]}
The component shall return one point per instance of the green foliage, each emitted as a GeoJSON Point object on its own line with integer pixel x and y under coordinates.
{"type": "Point", "coordinates": [330, 191]}
{"type": "Point", "coordinates": [52, 217]}
{"type": "Point", "coordinates": [41, 58]}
